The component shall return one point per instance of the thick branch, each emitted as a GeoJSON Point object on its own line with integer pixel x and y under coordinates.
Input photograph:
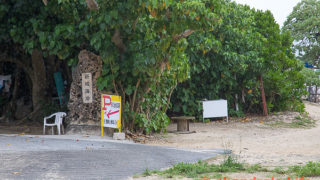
{"type": "Point", "coordinates": [134, 95]}
{"type": "Point", "coordinates": [169, 97]}
{"type": "Point", "coordinates": [185, 34]}
{"type": "Point", "coordinates": [116, 39]}
{"type": "Point", "coordinates": [113, 81]}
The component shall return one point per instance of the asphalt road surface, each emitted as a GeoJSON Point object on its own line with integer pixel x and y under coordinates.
{"type": "Point", "coordinates": [38, 157]}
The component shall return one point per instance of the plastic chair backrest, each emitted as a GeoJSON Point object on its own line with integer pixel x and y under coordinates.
{"type": "Point", "coordinates": [59, 117]}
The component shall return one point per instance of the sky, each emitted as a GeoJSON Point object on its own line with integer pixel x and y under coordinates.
{"type": "Point", "coordinates": [279, 8]}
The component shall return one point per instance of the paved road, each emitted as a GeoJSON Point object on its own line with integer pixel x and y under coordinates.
{"type": "Point", "coordinates": [38, 157]}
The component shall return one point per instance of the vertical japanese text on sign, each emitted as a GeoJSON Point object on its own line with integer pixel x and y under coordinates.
{"type": "Point", "coordinates": [87, 87]}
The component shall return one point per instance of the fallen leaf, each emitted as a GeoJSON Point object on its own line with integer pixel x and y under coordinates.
{"type": "Point", "coordinates": [8, 144]}
{"type": "Point", "coordinates": [16, 173]}
{"type": "Point", "coordinates": [20, 134]}
{"type": "Point", "coordinates": [27, 140]}
{"type": "Point", "coordinates": [261, 121]}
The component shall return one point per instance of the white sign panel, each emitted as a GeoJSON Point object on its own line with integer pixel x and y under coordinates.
{"type": "Point", "coordinates": [215, 108]}
{"type": "Point", "coordinates": [87, 87]}
{"type": "Point", "coordinates": [111, 111]}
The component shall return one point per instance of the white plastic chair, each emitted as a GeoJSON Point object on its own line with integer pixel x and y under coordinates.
{"type": "Point", "coordinates": [57, 122]}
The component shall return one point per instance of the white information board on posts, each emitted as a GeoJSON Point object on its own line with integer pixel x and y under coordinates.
{"type": "Point", "coordinates": [215, 108]}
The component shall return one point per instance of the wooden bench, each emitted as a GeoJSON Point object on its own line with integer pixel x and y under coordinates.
{"type": "Point", "coordinates": [183, 122]}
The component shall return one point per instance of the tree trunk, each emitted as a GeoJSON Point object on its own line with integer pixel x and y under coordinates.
{"type": "Point", "coordinates": [39, 81]}
{"type": "Point", "coordinates": [263, 96]}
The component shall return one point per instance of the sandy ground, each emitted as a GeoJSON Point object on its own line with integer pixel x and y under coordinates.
{"type": "Point", "coordinates": [251, 141]}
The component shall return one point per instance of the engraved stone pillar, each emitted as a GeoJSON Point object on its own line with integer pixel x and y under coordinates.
{"type": "Point", "coordinates": [84, 103]}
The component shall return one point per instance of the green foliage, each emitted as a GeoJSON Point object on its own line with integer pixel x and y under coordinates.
{"type": "Point", "coordinates": [142, 44]}
{"type": "Point", "coordinates": [311, 77]}
{"type": "Point", "coordinates": [226, 62]}
{"type": "Point", "coordinates": [194, 170]}
{"type": "Point", "coordinates": [303, 24]}
{"type": "Point", "coordinates": [279, 170]}
{"type": "Point", "coordinates": [311, 169]}
{"type": "Point", "coordinates": [256, 168]}
{"type": "Point", "coordinates": [153, 60]}
{"type": "Point", "coordinates": [147, 172]}
{"type": "Point", "coordinates": [199, 169]}
{"type": "Point", "coordinates": [202, 169]}
{"type": "Point", "coordinates": [150, 47]}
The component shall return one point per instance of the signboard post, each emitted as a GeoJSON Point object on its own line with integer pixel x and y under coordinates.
{"type": "Point", "coordinates": [110, 112]}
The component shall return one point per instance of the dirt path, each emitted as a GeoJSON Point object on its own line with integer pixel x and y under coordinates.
{"type": "Point", "coordinates": [253, 144]}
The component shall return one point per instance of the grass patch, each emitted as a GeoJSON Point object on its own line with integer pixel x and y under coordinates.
{"type": "Point", "coordinates": [230, 165]}
{"type": "Point", "coordinates": [256, 168]}
{"type": "Point", "coordinates": [148, 172]}
{"type": "Point", "coordinates": [201, 169]}
{"type": "Point", "coordinates": [279, 170]}
{"type": "Point", "coordinates": [311, 169]}
{"type": "Point", "coordinates": [299, 122]}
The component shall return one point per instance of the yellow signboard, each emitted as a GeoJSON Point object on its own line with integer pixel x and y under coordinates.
{"type": "Point", "coordinates": [110, 112]}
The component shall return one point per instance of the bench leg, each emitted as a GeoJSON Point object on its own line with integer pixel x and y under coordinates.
{"type": "Point", "coordinates": [182, 125]}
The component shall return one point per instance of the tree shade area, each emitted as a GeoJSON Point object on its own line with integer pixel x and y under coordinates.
{"type": "Point", "coordinates": [159, 56]}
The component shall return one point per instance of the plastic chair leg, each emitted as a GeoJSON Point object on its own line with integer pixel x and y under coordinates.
{"type": "Point", "coordinates": [52, 130]}
{"type": "Point", "coordinates": [58, 129]}
{"type": "Point", "coordinates": [44, 130]}
{"type": "Point", "coordinates": [62, 128]}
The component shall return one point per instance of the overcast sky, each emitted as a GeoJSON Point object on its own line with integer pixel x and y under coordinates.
{"type": "Point", "coordinates": [279, 8]}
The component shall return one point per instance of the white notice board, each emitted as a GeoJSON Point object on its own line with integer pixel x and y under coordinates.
{"type": "Point", "coordinates": [215, 108]}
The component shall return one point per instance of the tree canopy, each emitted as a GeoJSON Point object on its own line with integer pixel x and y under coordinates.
{"type": "Point", "coordinates": [303, 23]}
{"type": "Point", "coordinates": [206, 48]}
{"type": "Point", "coordinates": [246, 45]}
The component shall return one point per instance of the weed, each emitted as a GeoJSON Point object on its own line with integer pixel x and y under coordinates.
{"type": "Point", "coordinates": [279, 170]}
{"type": "Point", "coordinates": [255, 168]}
{"type": "Point", "coordinates": [231, 165]}
{"type": "Point", "coordinates": [200, 168]}
{"type": "Point", "coordinates": [299, 122]}
{"type": "Point", "coordinates": [147, 172]}
{"type": "Point", "coordinates": [203, 169]}
{"type": "Point", "coordinates": [216, 176]}
{"type": "Point", "coordinates": [311, 169]}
